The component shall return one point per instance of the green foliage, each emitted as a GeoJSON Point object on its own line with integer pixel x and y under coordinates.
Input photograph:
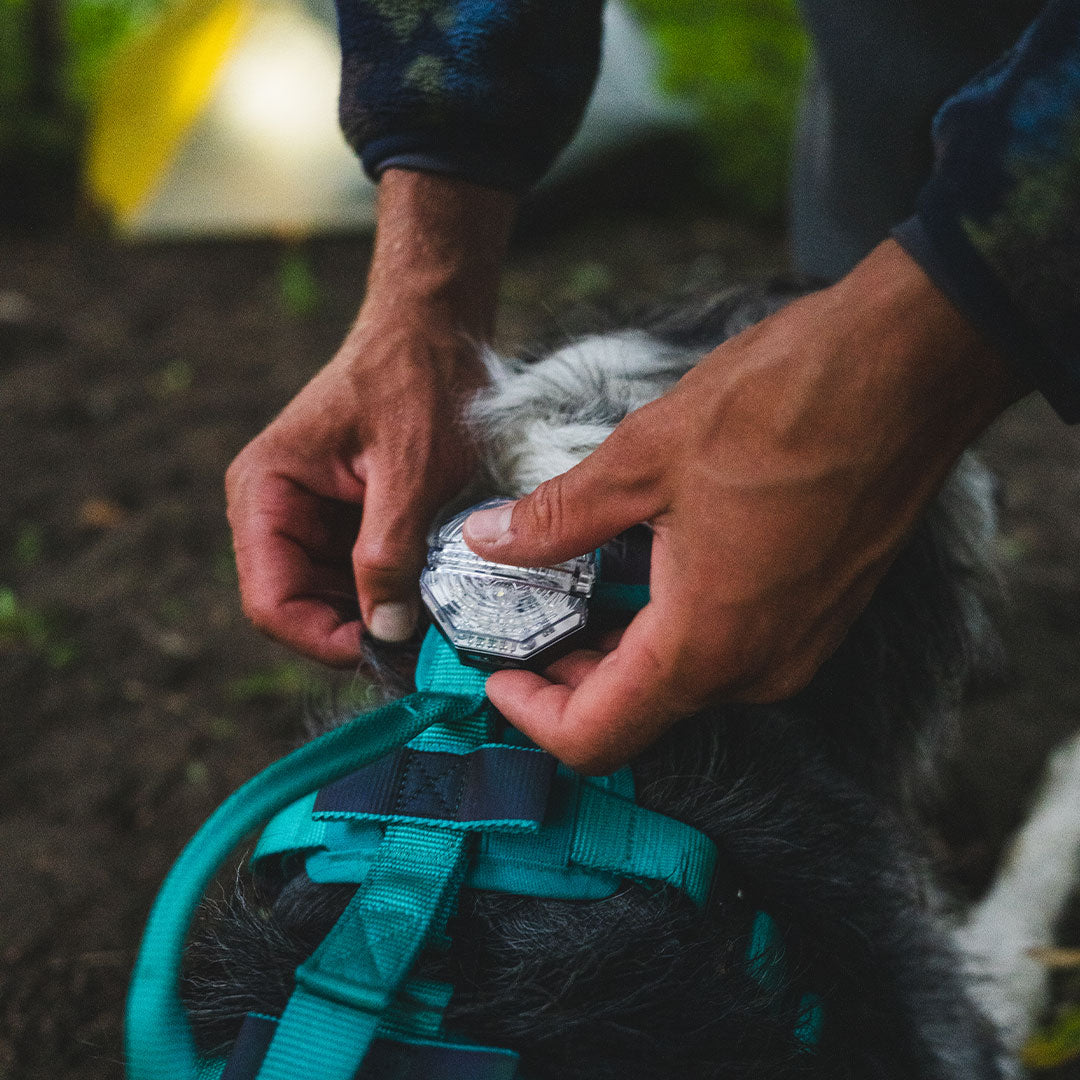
{"type": "Point", "coordinates": [223, 568]}
{"type": "Point", "coordinates": [196, 773]}
{"type": "Point", "coordinates": [25, 627]}
{"type": "Point", "coordinates": [1056, 1045]}
{"type": "Point", "coordinates": [285, 680]}
{"type": "Point", "coordinates": [298, 288]}
{"type": "Point", "coordinates": [29, 544]}
{"type": "Point", "coordinates": [87, 32]}
{"type": "Point", "coordinates": [94, 30]}
{"type": "Point", "coordinates": [172, 380]}
{"type": "Point", "coordinates": [587, 281]}
{"type": "Point", "coordinates": [740, 62]}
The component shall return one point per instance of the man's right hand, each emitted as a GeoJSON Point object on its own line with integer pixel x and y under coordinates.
{"type": "Point", "coordinates": [331, 503]}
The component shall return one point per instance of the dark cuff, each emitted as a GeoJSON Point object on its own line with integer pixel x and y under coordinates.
{"type": "Point", "coordinates": [427, 153]}
{"type": "Point", "coordinates": [934, 238]}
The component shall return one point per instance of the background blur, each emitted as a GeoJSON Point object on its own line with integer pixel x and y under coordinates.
{"type": "Point", "coordinates": [175, 262]}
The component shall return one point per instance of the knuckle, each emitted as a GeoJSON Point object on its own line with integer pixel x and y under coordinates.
{"type": "Point", "coordinates": [388, 554]}
{"type": "Point", "coordinates": [781, 684]}
{"type": "Point", "coordinates": [260, 612]}
{"type": "Point", "coordinates": [658, 661]}
{"type": "Point", "coordinates": [243, 475]}
{"type": "Point", "coordinates": [234, 475]}
{"type": "Point", "coordinates": [546, 508]}
{"type": "Point", "coordinates": [578, 753]}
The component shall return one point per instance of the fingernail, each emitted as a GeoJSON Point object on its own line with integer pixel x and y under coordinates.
{"type": "Point", "coordinates": [488, 526]}
{"type": "Point", "coordinates": [393, 622]}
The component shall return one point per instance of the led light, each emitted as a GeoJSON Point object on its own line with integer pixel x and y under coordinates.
{"type": "Point", "coordinates": [503, 616]}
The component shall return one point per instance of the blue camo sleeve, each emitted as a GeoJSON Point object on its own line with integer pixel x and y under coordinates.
{"type": "Point", "coordinates": [488, 90]}
{"type": "Point", "coordinates": [997, 227]}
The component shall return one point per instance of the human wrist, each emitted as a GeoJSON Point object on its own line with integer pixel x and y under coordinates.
{"type": "Point", "coordinates": [938, 361]}
{"type": "Point", "coordinates": [439, 249]}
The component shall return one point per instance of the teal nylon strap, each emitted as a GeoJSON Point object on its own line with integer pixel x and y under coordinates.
{"type": "Point", "coordinates": [766, 964]}
{"type": "Point", "coordinates": [159, 1045]}
{"type": "Point", "coordinates": [438, 668]}
{"type": "Point", "coordinates": [591, 839]}
{"type": "Point", "coordinates": [625, 839]}
{"type": "Point", "coordinates": [345, 991]}
{"type": "Point", "coordinates": [293, 830]}
{"type": "Point", "coordinates": [347, 985]}
{"type": "Point", "coordinates": [417, 1011]}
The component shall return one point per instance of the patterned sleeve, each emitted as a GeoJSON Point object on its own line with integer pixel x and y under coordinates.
{"type": "Point", "coordinates": [998, 225]}
{"type": "Point", "coordinates": [488, 90]}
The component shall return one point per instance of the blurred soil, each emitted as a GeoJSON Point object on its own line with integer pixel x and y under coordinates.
{"type": "Point", "coordinates": [133, 695]}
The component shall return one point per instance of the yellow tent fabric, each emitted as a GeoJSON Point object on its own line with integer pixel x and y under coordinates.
{"type": "Point", "coordinates": [220, 119]}
{"type": "Point", "coordinates": [153, 92]}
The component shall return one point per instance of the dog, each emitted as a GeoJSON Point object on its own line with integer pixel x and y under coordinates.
{"type": "Point", "coordinates": [811, 803]}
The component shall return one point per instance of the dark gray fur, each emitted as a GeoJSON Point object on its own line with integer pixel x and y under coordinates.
{"type": "Point", "coordinates": [809, 804]}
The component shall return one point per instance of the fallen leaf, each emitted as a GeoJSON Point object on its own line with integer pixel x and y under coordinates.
{"type": "Point", "coordinates": [99, 513]}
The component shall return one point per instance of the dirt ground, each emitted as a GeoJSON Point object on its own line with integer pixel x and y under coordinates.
{"type": "Point", "coordinates": [134, 696]}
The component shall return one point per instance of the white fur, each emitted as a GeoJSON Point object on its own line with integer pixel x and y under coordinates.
{"type": "Point", "coordinates": [537, 420]}
{"type": "Point", "coordinates": [1025, 903]}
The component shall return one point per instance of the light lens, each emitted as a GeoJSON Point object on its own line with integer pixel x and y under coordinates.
{"type": "Point", "coordinates": [502, 615]}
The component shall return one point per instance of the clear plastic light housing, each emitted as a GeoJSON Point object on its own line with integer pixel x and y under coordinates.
{"type": "Point", "coordinates": [499, 615]}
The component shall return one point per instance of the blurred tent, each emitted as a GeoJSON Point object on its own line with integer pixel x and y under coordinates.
{"type": "Point", "coordinates": [220, 118]}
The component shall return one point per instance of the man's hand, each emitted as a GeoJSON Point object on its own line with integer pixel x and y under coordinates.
{"type": "Point", "coordinates": [330, 505]}
{"type": "Point", "coordinates": [780, 476]}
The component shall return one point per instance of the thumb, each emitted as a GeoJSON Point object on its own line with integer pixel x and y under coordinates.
{"type": "Point", "coordinates": [387, 558]}
{"type": "Point", "coordinates": [573, 513]}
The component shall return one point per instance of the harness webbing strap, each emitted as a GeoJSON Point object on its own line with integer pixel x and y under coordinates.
{"type": "Point", "coordinates": [293, 830]}
{"type": "Point", "coordinates": [591, 839]}
{"type": "Point", "coordinates": [345, 990]}
{"type": "Point", "coordinates": [630, 841]}
{"type": "Point", "coordinates": [494, 786]}
{"type": "Point", "coordinates": [348, 983]}
{"type": "Point", "coordinates": [387, 1058]}
{"type": "Point", "coordinates": [418, 1010]}
{"type": "Point", "coordinates": [159, 1041]}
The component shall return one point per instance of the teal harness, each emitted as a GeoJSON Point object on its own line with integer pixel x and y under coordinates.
{"type": "Point", "coordinates": [411, 803]}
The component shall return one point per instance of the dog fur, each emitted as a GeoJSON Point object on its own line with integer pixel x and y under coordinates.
{"type": "Point", "coordinates": [811, 803]}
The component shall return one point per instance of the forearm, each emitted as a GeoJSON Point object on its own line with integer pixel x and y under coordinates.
{"type": "Point", "coordinates": [439, 249]}
{"type": "Point", "coordinates": [486, 92]}
{"type": "Point", "coordinates": [998, 225]}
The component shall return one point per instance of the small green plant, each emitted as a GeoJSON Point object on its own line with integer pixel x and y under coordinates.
{"type": "Point", "coordinates": [173, 610]}
{"type": "Point", "coordinates": [196, 773]}
{"type": "Point", "coordinates": [29, 544]}
{"type": "Point", "coordinates": [25, 627]}
{"type": "Point", "coordinates": [222, 729]}
{"type": "Point", "coordinates": [285, 680]}
{"type": "Point", "coordinates": [298, 288]}
{"type": "Point", "coordinates": [175, 378]}
{"type": "Point", "coordinates": [223, 568]}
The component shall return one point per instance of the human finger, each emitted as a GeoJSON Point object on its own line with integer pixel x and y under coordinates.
{"type": "Point", "coordinates": [608, 711]}
{"type": "Point", "coordinates": [613, 488]}
{"type": "Point", "coordinates": [292, 566]}
{"type": "Point", "coordinates": [388, 556]}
